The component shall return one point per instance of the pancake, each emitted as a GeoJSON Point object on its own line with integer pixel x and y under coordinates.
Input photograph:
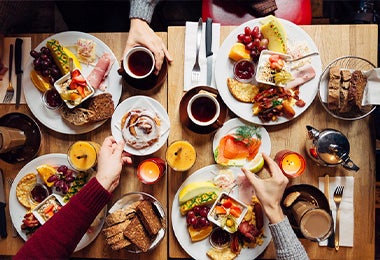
{"type": "Point", "coordinates": [244, 92]}
{"type": "Point", "coordinates": [23, 188]}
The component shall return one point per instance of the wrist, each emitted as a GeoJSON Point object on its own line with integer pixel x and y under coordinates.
{"type": "Point", "coordinates": [274, 214]}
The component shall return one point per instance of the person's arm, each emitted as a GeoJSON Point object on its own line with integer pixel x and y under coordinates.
{"type": "Point", "coordinates": [270, 191]}
{"type": "Point", "coordinates": [140, 33]}
{"type": "Point", "coordinates": [59, 236]}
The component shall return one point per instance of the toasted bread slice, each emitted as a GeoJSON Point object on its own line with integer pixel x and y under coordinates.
{"type": "Point", "coordinates": [102, 105]}
{"type": "Point", "coordinates": [244, 92]}
{"type": "Point", "coordinates": [77, 116]}
{"type": "Point", "coordinates": [135, 232]}
{"type": "Point", "coordinates": [148, 217]}
{"type": "Point", "coordinates": [333, 97]}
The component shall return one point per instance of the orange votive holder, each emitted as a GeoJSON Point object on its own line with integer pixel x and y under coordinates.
{"type": "Point", "coordinates": [291, 163]}
{"type": "Point", "coordinates": [151, 170]}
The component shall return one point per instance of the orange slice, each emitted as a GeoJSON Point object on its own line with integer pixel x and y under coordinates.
{"type": "Point", "coordinates": [199, 234]}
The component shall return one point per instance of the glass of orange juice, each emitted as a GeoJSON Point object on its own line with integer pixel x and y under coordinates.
{"type": "Point", "coordinates": [181, 155]}
{"type": "Point", "coordinates": [82, 155]}
{"type": "Point", "coordinates": [291, 163]}
{"type": "Point", "coordinates": [151, 170]}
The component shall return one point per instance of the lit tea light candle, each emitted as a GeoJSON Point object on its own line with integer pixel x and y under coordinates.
{"type": "Point", "coordinates": [150, 170]}
{"type": "Point", "coordinates": [292, 164]}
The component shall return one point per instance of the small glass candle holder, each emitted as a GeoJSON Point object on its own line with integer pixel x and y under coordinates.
{"type": "Point", "coordinates": [151, 170]}
{"type": "Point", "coordinates": [292, 164]}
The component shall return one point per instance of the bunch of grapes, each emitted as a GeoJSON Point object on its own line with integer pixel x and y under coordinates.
{"type": "Point", "coordinates": [197, 217]}
{"type": "Point", "coordinates": [253, 41]}
{"type": "Point", "coordinates": [62, 179]}
{"type": "Point", "coordinates": [44, 63]}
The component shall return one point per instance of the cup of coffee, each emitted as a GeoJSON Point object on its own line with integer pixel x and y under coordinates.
{"type": "Point", "coordinates": [315, 223]}
{"type": "Point", "coordinates": [139, 62]}
{"type": "Point", "coordinates": [11, 138]}
{"type": "Point", "coordinates": [203, 109]}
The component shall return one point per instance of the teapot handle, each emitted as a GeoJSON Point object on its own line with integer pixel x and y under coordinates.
{"type": "Point", "coordinates": [348, 164]}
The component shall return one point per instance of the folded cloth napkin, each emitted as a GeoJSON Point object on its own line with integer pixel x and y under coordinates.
{"type": "Point", "coordinates": [190, 49]}
{"type": "Point", "coordinates": [346, 233]}
{"type": "Point", "coordinates": [26, 47]}
{"type": "Point", "coordinates": [263, 7]}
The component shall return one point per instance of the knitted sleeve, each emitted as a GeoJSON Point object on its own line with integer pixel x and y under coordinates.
{"type": "Point", "coordinates": [142, 9]}
{"type": "Point", "coordinates": [59, 236]}
{"type": "Point", "coordinates": [286, 242]}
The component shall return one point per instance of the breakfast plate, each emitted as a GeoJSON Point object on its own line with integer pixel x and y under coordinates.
{"type": "Point", "coordinates": [17, 211]}
{"type": "Point", "coordinates": [197, 250]}
{"type": "Point", "coordinates": [230, 127]}
{"type": "Point", "coordinates": [52, 118]}
{"type": "Point", "coordinates": [130, 198]}
{"type": "Point", "coordinates": [224, 68]}
{"type": "Point", "coordinates": [149, 104]}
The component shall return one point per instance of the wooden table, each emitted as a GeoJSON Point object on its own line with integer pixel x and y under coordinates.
{"type": "Point", "coordinates": [53, 142]}
{"type": "Point", "coordinates": [333, 41]}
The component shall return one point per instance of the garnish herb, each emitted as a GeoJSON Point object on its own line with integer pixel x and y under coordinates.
{"type": "Point", "coordinates": [247, 132]}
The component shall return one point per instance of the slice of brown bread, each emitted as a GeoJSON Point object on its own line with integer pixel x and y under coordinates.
{"type": "Point", "coordinates": [148, 217]}
{"type": "Point", "coordinates": [102, 105]}
{"type": "Point", "coordinates": [135, 232]}
{"type": "Point", "coordinates": [77, 116]}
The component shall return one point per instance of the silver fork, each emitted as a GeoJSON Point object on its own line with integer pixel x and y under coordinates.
{"type": "Point", "coordinates": [10, 90]}
{"type": "Point", "coordinates": [338, 193]}
{"type": "Point", "coordinates": [196, 71]}
{"type": "Point", "coordinates": [14, 231]}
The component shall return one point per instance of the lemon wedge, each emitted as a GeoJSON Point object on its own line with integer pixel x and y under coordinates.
{"type": "Point", "coordinates": [45, 171]}
{"type": "Point", "coordinates": [256, 164]}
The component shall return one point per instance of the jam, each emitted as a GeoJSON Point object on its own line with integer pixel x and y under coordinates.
{"type": "Point", "coordinates": [244, 70]}
{"type": "Point", "coordinates": [219, 238]}
{"type": "Point", "coordinates": [39, 193]}
{"type": "Point", "coordinates": [52, 98]}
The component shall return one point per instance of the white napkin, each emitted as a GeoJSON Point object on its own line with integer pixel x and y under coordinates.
{"type": "Point", "coordinates": [190, 49]}
{"type": "Point", "coordinates": [26, 47]}
{"type": "Point", "coordinates": [346, 233]}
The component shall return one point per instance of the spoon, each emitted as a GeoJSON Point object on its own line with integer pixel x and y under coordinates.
{"type": "Point", "coordinates": [303, 57]}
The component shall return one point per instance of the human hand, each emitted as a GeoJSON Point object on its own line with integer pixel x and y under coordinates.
{"type": "Point", "coordinates": [140, 34]}
{"type": "Point", "coordinates": [269, 191]}
{"type": "Point", "coordinates": [111, 158]}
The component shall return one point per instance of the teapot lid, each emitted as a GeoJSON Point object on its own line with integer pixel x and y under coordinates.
{"type": "Point", "coordinates": [332, 146]}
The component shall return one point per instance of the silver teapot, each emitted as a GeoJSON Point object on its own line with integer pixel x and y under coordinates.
{"type": "Point", "coordinates": [329, 147]}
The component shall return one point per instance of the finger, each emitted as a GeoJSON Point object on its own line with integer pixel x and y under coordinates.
{"type": "Point", "coordinates": [167, 54]}
{"type": "Point", "coordinates": [274, 169]}
{"type": "Point", "coordinates": [250, 176]}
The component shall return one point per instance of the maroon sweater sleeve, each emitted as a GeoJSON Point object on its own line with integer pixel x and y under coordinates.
{"type": "Point", "coordinates": [59, 236]}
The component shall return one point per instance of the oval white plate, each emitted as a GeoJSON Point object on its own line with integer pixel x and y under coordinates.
{"type": "Point", "coordinates": [149, 104]}
{"type": "Point", "coordinates": [17, 211]}
{"type": "Point", "coordinates": [223, 70]}
{"type": "Point", "coordinates": [197, 250]}
{"type": "Point", "coordinates": [51, 118]}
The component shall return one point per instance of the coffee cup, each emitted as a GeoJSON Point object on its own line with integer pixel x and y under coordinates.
{"type": "Point", "coordinates": [203, 109]}
{"type": "Point", "coordinates": [139, 62]}
{"type": "Point", "coordinates": [315, 224]}
{"type": "Point", "coordinates": [11, 138]}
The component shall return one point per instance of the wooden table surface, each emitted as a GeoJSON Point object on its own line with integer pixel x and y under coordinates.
{"type": "Point", "coordinates": [360, 40]}
{"type": "Point", "coordinates": [333, 41]}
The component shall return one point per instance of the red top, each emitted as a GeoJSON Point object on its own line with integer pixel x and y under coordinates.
{"type": "Point", "coordinates": [59, 236]}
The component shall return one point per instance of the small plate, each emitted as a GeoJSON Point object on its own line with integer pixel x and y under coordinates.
{"type": "Point", "coordinates": [308, 193]}
{"type": "Point", "coordinates": [184, 118]}
{"type": "Point", "coordinates": [149, 83]}
{"type": "Point", "coordinates": [349, 63]}
{"type": "Point", "coordinates": [33, 137]}
{"type": "Point", "coordinates": [128, 199]}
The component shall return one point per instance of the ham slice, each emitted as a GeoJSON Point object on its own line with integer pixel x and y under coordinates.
{"type": "Point", "coordinates": [246, 190]}
{"type": "Point", "coordinates": [101, 71]}
{"type": "Point", "coordinates": [301, 76]}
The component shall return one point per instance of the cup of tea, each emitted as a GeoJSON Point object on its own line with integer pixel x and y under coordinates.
{"type": "Point", "coordinates": [203, 109]}
{"type": "Point", "coordinates": [11, 138]}
{"type": "Point", "coordinates": [139, 62]}
{"type": "Point", "coordinates": [315, 224]}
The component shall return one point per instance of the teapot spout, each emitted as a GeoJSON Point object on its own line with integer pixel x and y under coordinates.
{"type": "Point", "coordinates": [313, 133]}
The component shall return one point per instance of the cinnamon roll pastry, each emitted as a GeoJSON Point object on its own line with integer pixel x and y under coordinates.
{"type": "Point", "coordinates": [140, 128]}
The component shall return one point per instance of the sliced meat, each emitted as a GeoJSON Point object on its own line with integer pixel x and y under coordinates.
{"type": "Point", "coordinates": [101, 71]}
{"type": "Point", "coordinates": [301, 76]}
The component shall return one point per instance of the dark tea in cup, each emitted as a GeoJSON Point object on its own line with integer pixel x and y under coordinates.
{"type": "Point", "coordinates": [139, 62]}
{"type": "Point", "coordinates": [203, 109]}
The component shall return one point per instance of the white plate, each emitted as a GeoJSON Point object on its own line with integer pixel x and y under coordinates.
{"type": "Point", "coordinates": [149, 104]}
{"type": "Point", "coordinates": [197, 250]}
{"type": "Point", "coordinates": [230, 127]}
{"type": "Point", "coordinates": [128, 199]}
{"type": "Point", "coordinates": [52, 118]}
{"type": "Point", "coordinates": [17, 211]}
{"type": "Point", "coordinates": [223, 70]}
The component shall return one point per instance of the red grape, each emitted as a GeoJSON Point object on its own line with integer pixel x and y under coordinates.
{"type": "Point", "coordinates": [62, 169]}
{"type": "Point", "coordinates": [247, 31]}
{"type": "Point", "coordinates": [196, 210]}
{"type": "Point", "coordinates": [240, 37]}
{"type": "Point", "coordinates": [203, 212]}
{"type": "Point", "coordinates": [247, 39]}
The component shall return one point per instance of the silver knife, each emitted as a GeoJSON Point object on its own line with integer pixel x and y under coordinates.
{"type": "Point", "coordinates": [209, 50]}
{"type": "Point", "coordinates": [18, 59]}
{"type": "Point", "coordinates": [3, 221]}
